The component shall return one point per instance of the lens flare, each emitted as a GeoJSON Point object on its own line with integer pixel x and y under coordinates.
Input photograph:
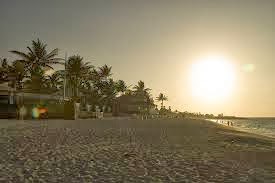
{"type": "Point", "coordinates": [42, 110]}
{"type": "Point", "coordinates": [35, 112]}
{"type": "Point", "coordinates": [248, 67]}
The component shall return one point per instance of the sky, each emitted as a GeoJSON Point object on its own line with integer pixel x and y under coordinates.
{"type": "Point", "coordinates": [158, 42]}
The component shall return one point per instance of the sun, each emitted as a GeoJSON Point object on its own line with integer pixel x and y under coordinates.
{"type": "Point", "coordinates": [212, 78]}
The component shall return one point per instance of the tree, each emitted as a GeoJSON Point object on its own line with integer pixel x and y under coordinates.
{"type": "Point", "coordinates": [129, 92]}
{"type": "Point", "coordinates": [100, 77]}
{"type": "Point", "coordinates": [143, 94]}
{"type": "Point", "coordinates": [37, 80]}
{"type": "Point", "coordinates": [3, 63]}
{"type": "Point", "coordinates": [102, 86]}
{"type": "Point", "coordinates": [140, 89]}
{"type": "Point", "coordinates": [121, 86]}
{"type": "Point", "coordinates": [3, 69]}
{"type": "Point", "coordinates": [109, 92]}
{"type": "Point", "coordinates": [162, 98]}
{"type": "Point", "coordinates": [16, 70]}
{"type": "Point", "coordinates": [105, 72]}
{"type": "Point", "coordinates": [38, 56]}
{"type": "Point", "coordinates": [77, 72]}
{"type": "Point", "coordinates": [54, 81]}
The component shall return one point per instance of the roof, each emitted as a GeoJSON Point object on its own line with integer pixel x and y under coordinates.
{"type": "Point", "coordinates": [130, 99]}
{"type": "Point", "coordinates": [40, 96]}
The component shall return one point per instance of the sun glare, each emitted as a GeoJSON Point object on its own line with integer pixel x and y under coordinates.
{"type": "Point", "coordinates": [212, 79]}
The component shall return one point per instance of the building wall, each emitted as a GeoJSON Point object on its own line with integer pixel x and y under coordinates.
{"type": "Point", "coordinates": [128, 104]}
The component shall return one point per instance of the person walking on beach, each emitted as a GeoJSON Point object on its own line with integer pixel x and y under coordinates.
{"type": "Point", "coordinates": [227, 123]}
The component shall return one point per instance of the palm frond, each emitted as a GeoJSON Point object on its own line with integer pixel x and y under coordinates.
{"type": "Point", "coordinates": [30, 50]}
{"type": "Point", "coordinates": [52, 54]}
{"type": "Point", "coordinates": [21, 54]}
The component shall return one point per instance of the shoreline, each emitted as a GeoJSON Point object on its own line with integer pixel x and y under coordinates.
{"type": "Point", "coordinates": [241, 129]}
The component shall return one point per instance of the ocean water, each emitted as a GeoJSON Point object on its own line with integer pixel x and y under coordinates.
{"type": "Point", "coordinates": [261, 126]}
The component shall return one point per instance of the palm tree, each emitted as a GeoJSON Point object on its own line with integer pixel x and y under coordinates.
{"type": "Point", "coordinates": [140, 89]}
{"type": "Point", "coordinates": [16, 70]}
{"type": "Point", "coordinates": [37, 56]}
{"type": "Point", "coordinates": [109, 92]}
{"type": "Point", "coordinates": [4, 63]}
{"type": "Point", "coordinates": [77, 72]}
{"type": "Point", "coordinates": [105, 71]}
{"type": "Point", "coordinates": [101, 80]}
{"type": "Point", "coordinates": [54, 81]}
{"type": "Point", "coordinates": [3, 69]}
{"type": "Point", "coordinates": [37, 80]}
{"type": "Point", "coordinates": [143, 95]}
{"type": "Point", "coordinates": [129, 92]}
{"type": "Point", "coordinates": [121, 86]}
{"type": "Point", "coordinates": [162, 98]}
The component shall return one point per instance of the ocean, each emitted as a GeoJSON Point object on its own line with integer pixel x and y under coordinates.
{"type": "Point", "coordinates": [261, 126]}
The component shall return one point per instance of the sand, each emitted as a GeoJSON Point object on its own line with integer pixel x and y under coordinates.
{"type": "Point", "coordinates": [123, 150]}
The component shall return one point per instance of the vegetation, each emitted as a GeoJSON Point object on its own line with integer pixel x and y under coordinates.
{"type": "Point", "coordinates": [162, 98]}
{"type": "Point", "coordinates": [121, 86]}
{"type": "Point", "coordinates": [14, 72]}
{"type": "Point", "coordinates": [77, 71]}
{"type": "Point", "coordinates": [83, 81]}
{"type": "Point", "coordinates": [3, 69]}
{"type": "Point", "coordinates": [37, 56]}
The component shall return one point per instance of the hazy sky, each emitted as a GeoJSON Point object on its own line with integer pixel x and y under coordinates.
{"type": "Point", "coordinates": [157, 41]}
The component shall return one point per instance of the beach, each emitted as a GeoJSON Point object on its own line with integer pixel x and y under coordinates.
{"type": "Point", "coordinates": [130, 150]}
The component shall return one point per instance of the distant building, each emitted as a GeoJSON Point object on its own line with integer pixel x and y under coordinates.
{"type": "Point", "coordinates": [130, 104]}
{"type": "Point", "coordinates": [7, 93]}
{"type": "Point", "coordinates": [11, 100]}
{"type": "Point", "coordinates": [4, 88]}
{"type": "Point", "coordinates": [7, 101]}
